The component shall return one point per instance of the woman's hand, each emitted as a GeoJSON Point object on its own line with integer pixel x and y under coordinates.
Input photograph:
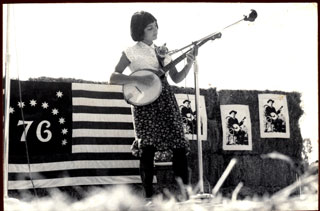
{"type": "Point", "coordinates": [190, 57]}
{"type": "Point", "coordinates": [145, 80]}
{"type": "Point", "coordinates": [162, 51]}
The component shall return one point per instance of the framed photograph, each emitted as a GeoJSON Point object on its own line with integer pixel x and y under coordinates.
{"type": "Point", "coordinates": [236, 127]}
{"type": "Point", "coordinates": [274, 116]}
{"type": "Point", "coordinates": [187, 108]}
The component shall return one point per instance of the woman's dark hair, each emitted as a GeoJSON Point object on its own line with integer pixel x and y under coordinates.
{"type": "Point", "coordinates": [139, 22]}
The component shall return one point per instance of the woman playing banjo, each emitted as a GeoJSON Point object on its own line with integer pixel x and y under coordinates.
{"type": "Point", "coordinates": [158, 125]}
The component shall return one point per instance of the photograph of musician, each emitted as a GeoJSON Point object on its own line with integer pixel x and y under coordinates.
{"type": "Point", "coordinates": [159, 125]}
{"type": "Point", "coordinates": [237, 135]}
{"type": "Point", "coordinates": [189, 117]}
{"type": "Point", "coordinates": [274, 121]}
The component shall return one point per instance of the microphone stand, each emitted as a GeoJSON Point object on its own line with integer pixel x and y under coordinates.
{"type": "Point", "coordinates": [201, 195]}
{"type": "Point", "coordinates": [251, 17]}
{"type": "Point", "coordinates": [197, 101]}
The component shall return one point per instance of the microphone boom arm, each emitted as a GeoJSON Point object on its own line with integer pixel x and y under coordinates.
{"type": "Point", "coordinates": [251, 17]}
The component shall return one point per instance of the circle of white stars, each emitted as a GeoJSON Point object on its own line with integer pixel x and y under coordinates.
{"type": "Point", "coordinates": [45, 105]}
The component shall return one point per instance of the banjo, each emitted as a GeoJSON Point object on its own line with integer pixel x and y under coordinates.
{"type": "Point", "coordinates": [274, 115]}
{"type": "Point", "coordinates": [236, 127]}
{"type": "Point", "coordinates": [140, 95]}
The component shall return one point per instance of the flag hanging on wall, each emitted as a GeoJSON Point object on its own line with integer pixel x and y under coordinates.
{"type": "Point", "coordinates": [71, 134]}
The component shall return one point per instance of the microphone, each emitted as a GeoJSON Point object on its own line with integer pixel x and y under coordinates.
{"type": "Point", "coordinates": [252, 16]}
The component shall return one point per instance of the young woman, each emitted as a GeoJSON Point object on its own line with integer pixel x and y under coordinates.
{"type": "Point", "coordinates": [158, 125]}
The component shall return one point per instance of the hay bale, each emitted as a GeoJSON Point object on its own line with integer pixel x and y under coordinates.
{"type": "Point", "coordinates": [258, 175]}
{"type": "Point", "coordinates": [251, 169]}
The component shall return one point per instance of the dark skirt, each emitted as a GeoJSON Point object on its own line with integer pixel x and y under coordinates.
{"type": "Point", "coordinates": [159, 124]}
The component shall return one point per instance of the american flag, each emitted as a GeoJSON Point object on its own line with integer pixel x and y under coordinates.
{"type": "Point", "coordinates": [75, 134]}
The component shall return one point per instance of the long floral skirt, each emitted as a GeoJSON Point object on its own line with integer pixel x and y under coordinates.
{"type": "Point", "coordinates": [159, 124]}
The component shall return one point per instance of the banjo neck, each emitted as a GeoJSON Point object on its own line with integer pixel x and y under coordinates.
{"type": "Point", "coordinates": [183, 56]}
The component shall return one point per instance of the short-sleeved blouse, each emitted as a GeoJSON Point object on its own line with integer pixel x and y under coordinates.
{"type": "Point", "coordinates": [143, 56]}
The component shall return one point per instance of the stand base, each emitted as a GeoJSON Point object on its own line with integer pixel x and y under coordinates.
{"type": "Point", "coordinates": [203, 199]}
{"type": "Point", "coordinates": [202, 196]}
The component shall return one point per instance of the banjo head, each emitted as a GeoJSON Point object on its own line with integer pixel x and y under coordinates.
{"type": "Point", "coordinates": [142, 95]}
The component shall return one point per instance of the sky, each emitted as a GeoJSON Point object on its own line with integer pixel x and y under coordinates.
{"type": "Point", "coordinates": [278, 51]}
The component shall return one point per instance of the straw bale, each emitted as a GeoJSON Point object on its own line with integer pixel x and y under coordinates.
{"type": "Point", "coordinates": [256, 173]}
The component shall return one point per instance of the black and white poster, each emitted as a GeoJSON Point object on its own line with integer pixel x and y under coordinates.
{"type": "Point", "coordinates": [274, 117]}
{"type": "Point", "coordinates": [188, 110]}
{"type": "Point", "coordinates": [236, 127]}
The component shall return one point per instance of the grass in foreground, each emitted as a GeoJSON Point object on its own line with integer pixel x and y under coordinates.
{"type": "Point", "coordinates": [301, 195]}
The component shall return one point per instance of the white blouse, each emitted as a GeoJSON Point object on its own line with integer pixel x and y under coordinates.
{"type": "Point", "coordinates": [143, 56]}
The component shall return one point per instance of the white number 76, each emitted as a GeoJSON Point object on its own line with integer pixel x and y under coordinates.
{"type": "Point", "coordinates": [38, 133]}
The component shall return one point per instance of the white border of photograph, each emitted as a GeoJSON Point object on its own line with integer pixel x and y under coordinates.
{"type": "Point", "coordinates": [242, 112]}
{"type": "Point", "coordinates": [203, 113]}
{"type": "Point", "coordinates": [279, 101]}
